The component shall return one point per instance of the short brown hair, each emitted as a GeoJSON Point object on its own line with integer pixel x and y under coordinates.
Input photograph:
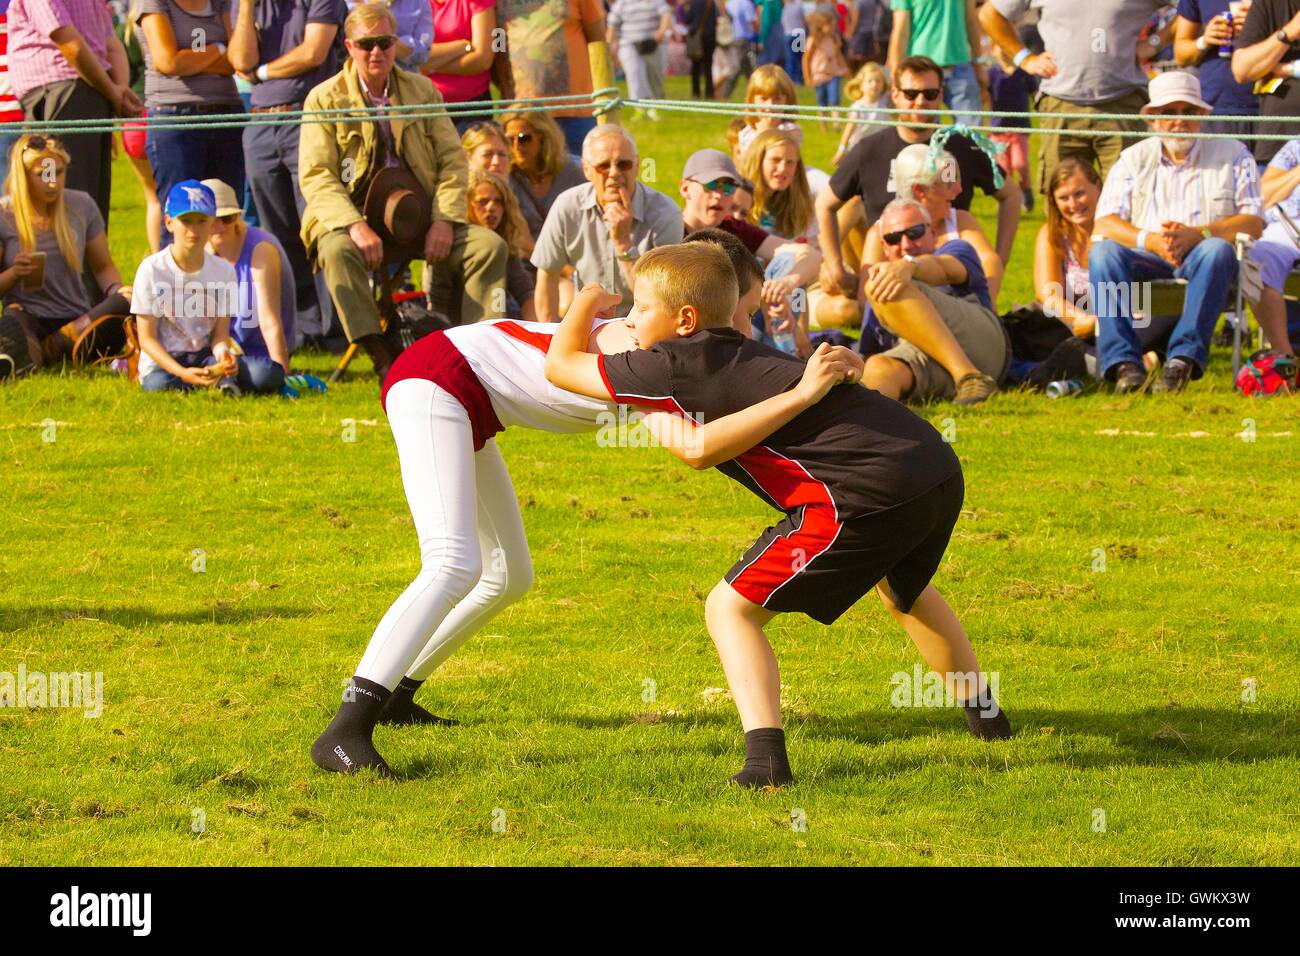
{"type": "Point", "coordinates": [748, 272]}
{"type": "Point", "coordinates": [696, 274]}
{"type": "Point", "coordinates": [366, 15]}
{"type": "Point", "coordinates": [916, 64]}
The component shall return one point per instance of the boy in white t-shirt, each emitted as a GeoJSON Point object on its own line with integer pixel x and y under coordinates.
{"type": "Point", "coordinates": [183, 299]}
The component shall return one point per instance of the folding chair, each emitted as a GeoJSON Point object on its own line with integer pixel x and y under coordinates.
{"type": "Point", "coordinates": [385, 281]}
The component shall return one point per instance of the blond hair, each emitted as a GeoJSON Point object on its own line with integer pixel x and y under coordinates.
{"type": "Point", "coordinates": [479, 133]}
{"type": "Point", "coordinates": [856, 87]}
{"type": "Point", "coordinates": [791, 209]}
{"type": "Point", "coordinates": [554, 152]}
{"type": "Point", "coordinates": [512, 228]}
{"type": "Point", "coordinates": [769, 81]}
{"type": "Point", "coordinates": [17, 201]}
{"type": "Point", "coordinates": [697, 274]}
{"type": "Point", "coordinates": [366, 15]}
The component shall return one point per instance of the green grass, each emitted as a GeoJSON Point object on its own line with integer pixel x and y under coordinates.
{"type": "Point", "coordinates": [1125, 685]}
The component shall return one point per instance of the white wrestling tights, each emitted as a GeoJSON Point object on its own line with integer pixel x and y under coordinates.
{"type": "Point", "coordinates": [473, 552]}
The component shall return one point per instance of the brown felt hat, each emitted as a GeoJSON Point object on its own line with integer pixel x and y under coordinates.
{"type": "Point", "coordinates": [400, 211]}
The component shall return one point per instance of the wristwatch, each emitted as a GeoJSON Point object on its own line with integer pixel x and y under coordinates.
{"type": "Point", "coordinates": [1281, 37]}
{"type": "Point", "coordinates": [912, 259]}
{"type": "Point", "coordinates": [629, 255]}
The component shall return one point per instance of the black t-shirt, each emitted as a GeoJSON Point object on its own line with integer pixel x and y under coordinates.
{"type": "Point", "coordinates": [855, 450]}
{"type": "Point", "coordinates": [1266, 17]}
{"type": "Point", "coordinates": [865, 171]}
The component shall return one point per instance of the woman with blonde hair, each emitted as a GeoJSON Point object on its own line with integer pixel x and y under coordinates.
{"type": "Point", "coordinates": [48, 235]}
{"type": "Point", "coordinates": [783, 203]}
{"type": "Point", "coordinates": [541, 166]}
{"type": "Point", "coordinates": [486, 147]}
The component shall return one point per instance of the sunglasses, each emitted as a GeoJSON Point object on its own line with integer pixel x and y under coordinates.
{"type": "Point", "coordinates": [912, 232]}
{"type": "Point", "coordinates": [41, 143]}
{"type": "Point", "coordinates": [727, 187]}
{"type": "Point", "coordinates": [522, 138]}
{"type": "Point", "coordinates": [623, 166]}
{"type": "Point", "coordinates": [228, 220]}
{"type": "Point", "coordinates": [383, 41]}
{"type": "Point", "coordinates": [930, 93]}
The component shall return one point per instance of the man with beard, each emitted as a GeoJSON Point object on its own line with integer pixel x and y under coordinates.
{"type": "Point", "coordinates": [1171, 207]}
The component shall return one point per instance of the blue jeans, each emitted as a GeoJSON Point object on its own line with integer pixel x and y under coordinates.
{"type": "Point", "coordinates": [773, 48]}
{"type": "Point", "coordinates": [254, 375]}
{"type": "Point", "coordinates": [575, 130]}
{"type": "Point", "coordinates": [250, 204]}
{"type": "Point", "coordinates": [828, 93]}
{"type": "Point", "coordinates": [271, 156]}
{"type": "Point", "coordinates": [794, 59]}
{"type": "Point", "coordinates": [961, 91]}
{"type": "Point", "coordinates": [1113, 270]}
{"type": "Point", "coordinates": [181, 153]}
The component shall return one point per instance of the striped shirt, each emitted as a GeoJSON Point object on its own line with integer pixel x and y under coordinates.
{"type": "Point", "coordinates": [34, 59]}
{"type": "Point", "coordinates": [637, 20]}
{"type": "Point", "coordinates": [1177, 195]}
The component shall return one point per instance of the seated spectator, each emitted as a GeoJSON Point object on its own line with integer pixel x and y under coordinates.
{"type": "Point", "coordinates": [1172, 206]}
{"type": "Point", "coordinates": [639, 30]}
{"type": "Point", "coordinates": [460, 60]}
{"type": "Point", "coordinates": [783, 203]}
{"type": "Point", "coordinates": [48, 235]}
{"type": "Point", "coordinates": [187, 73]}
{"type": "Point", "coordinates": [340, 157]}
{"type": "Point", "coordinates": [413, 21]}
{"type": "Point", "coordinates": [263, 322]}
{"type": "Point", "coordinates": [933, 178]}
{"type": "Point", "coordinates": [485, 146]}
{"type": "Point", "coordinates": [869, 91]}
{"type": "Point", "coordinates": [183, 301]}
{"type": "Point", "coordinates": [1203, 32]}
{"type": "Point", "coordinates": [770, 90]}
{"type": "Point", "coordinates": [864, 172]}
{"type": "Point", "coordinates": [602, 228]}
{"type": "Point", "coordinates": [492, 205]}
{"type": "Point", "coordinates": [1079, 77]}
{"type": "Point", "coordinates": [541, 166]}
{"type": "Point", "coordinates": [1279, 248]}
{"type": "Point", "coordinates": [935, 299]}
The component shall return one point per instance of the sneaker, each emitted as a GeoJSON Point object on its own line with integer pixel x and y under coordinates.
{"type": "Point", "coordinates": [652, 114]}
{"type": "Point", "coordinates": [974, 388]}
{"type": "Point", "coordinates": [1177, 373]}
{"type": "Point", "coordinates": [1129, 377]}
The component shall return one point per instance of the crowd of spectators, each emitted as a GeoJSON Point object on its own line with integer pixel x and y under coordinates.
{"type": "Point", "coordinates": [297, 223]}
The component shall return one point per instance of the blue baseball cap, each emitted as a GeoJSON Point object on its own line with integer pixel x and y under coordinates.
{"type": "Point", "coordinates": [190, 195]}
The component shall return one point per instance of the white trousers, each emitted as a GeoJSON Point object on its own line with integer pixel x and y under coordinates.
{"type": "Point", "coordinates": [644, 72]}
{"type": "Point", "coordinates": [474, 557]}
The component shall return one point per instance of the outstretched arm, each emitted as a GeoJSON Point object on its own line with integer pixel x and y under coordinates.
{"type": "Point", "coordinates": [711, 443]}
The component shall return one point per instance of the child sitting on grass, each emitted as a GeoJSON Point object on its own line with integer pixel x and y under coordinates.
{"type": "Point", "coordinates": [183, 299]}
{"type": "Point", "coordinates": [870, 491]}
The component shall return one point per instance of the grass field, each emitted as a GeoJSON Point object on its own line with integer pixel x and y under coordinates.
{"type": "Point", "coordinates": [593, 730]}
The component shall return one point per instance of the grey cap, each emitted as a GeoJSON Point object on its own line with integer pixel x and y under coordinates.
{"type": "Point", "coordinates": [706, 165]}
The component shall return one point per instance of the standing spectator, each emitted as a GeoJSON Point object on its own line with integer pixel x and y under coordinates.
{"type": "Point", "coordinates": [460, 60]}
{"type": "Point", "coordinates": [135, 135]}
{"type": "Point", "coordinates": [701, 42]}
{"type": "Point", "coordinates": [947, 32]}
{"type": "Point", "coordinates": [340, 158]}
{"type": "Point", "coordinates": [862, 32]}
{"type": "Point", "coordinates": [1171, 207]}
{"type": "Point", "coordinates": [1009, 91]}
{"type": "Point", "coordinates": [187, 73]}
{"type": "Point", "coordinates": [288, 48]}
{"type": "Point", "coordinates": [744, 33]}
{"type": "Point", "coordinates": [1089, 66]}
{"type": "Point", "coordinates": [263, 317]}
{"type": "Point", "coordinates": [558, 49]}
{"type": "Point", "coordinates": [541, 166]}
{"type": "Point", "coordinates": [771, 37]}
{"type": "Point", "coordinates": [602, 228]}
{"type": "Point", "coordinates": [796, 31]}
{"type": "Point", "coordinates": [11, 111]}
{"type": "Point", "coordinates": [638, 29]}
{"type": "Point", "coordinates": [869, 91]}
{"type": "Point", "coordinates": [40, 216]}
{"type": "Point", "coordinates": [66, 63]}
{"type": "Point", "coordinates": [824, 66]}
{"type": "Point", "coordinates": [1266, 50]}
{"type": "Point", "coordinates": [414, 30]}
{"type": "Point", "coordinates": [1201, 33]}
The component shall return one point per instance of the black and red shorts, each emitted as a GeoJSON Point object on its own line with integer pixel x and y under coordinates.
{"type": "Point", "coordinates": [811, 563]}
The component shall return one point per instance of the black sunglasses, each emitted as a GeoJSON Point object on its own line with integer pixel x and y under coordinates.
{"type": "Point", "coordinates": [912, 232]}
{"type": "Point", "coordinates": [383, 41]}
{"type": "Point", "coordinates": [930, 93]}
{"type": "Point", "coordinates": [39, 143]}
{"type": "Point", "coordinates": [522, 138]}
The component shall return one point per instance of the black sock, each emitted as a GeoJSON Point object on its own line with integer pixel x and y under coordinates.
{"type": "Point", "coordinates": [766, 763]}
{"type": "Point", "coordinates": [986, 719]}
{"type": "Point", "coordinates": [346, 745]}
{"type": "Point", "coordinates": [402, 708]}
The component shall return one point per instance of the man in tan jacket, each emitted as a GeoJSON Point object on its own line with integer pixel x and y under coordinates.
{"type": "Point", "coordinates": [337, 159]}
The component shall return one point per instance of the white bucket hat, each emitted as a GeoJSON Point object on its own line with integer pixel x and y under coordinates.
{"type": "Point", "coordinates": [1175, 86]}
